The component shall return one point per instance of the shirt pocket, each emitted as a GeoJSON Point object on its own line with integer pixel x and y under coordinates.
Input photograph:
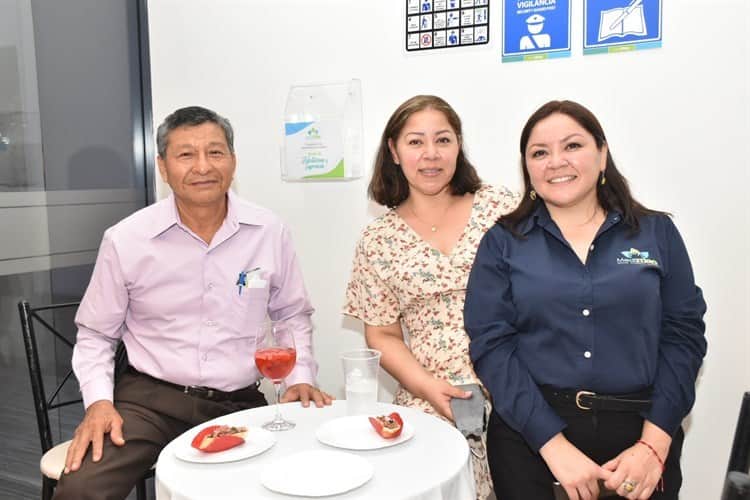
{"type": "Point", "coordinates": [248, 310]}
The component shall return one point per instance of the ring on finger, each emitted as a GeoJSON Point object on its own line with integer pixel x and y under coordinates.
{"type": "Point", "coordinates": [629, 485]}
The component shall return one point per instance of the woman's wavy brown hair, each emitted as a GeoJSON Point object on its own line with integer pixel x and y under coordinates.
{"type": "Point", "coordinates": [388, 185]}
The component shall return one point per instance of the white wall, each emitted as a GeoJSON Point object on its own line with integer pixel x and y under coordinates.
{"type": "Point", "coordinates": [677, 118]}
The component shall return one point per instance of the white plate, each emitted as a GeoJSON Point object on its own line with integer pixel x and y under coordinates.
{"type": "Point", "coordinates": [356, 433]}
{"type": "Point", "coordinates": [316, 473]}
{"type": "Point", "coordinates": [256, 442]}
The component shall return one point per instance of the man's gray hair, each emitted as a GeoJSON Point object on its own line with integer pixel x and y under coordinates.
{"type": "Point", "coordinates": [191, 117]}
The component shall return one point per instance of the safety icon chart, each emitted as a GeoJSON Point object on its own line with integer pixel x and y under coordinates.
{"type": "Point", "coordinates": [438, 24]}
{"type": "Point", "coordinates": [621, 25]}
{"type": "Point", "coordinates": [535, 29]}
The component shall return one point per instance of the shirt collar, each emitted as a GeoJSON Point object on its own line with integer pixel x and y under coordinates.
{"type": "Point", "coordinates": [541, 217]}
{"type": "Point", "coordinates": [237, 213]}
{"type": "Point", "coordinates": [613, 217]}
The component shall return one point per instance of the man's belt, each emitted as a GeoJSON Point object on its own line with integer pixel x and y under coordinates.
{"type": "Point", "coordinates": [591, 401]}
{"type": "Point", "coordinates": [249, 393]}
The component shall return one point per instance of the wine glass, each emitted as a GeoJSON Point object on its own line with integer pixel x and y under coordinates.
{"type": "Point", "coordinates": [275, 356]}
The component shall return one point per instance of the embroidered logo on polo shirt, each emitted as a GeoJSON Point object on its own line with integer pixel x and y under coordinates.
{"type": "Point", "coordinates": [635, 256]}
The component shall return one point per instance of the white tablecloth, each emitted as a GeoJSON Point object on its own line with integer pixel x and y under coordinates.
{"type": "Point", "coordinates": [433, 465]}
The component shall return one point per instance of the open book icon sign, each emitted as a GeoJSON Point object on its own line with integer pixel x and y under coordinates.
{"type": "Point", "coordinates": [622, 21]}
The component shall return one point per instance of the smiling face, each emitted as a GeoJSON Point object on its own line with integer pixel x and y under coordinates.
{"type": "Point", "coordinates": [426, 149]}
{"type": "Point", "coordinates": [564, 162]}
{"type": "Point", "coordinates": [198, 165]}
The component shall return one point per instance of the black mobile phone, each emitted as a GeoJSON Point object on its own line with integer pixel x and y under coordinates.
{"type": "Point", "coordinates": [603, 491]}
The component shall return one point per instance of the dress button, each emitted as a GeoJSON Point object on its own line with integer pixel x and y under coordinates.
{"type": "Point", "coordinates": [210, 286]}
{"type": "Point", "coordinates": [585, 312]}
{"type": "Point", "coordinates": [205, 357]}
{"type": "Point", "coordinates": [209, 322]}
{"type": "Point", "coordinates": [587, 354]}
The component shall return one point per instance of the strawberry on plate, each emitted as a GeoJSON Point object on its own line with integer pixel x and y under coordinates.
{"type": "Point", "coordinates": [219, 438]}
{"type": "Point", "coordinates": [388, 426]}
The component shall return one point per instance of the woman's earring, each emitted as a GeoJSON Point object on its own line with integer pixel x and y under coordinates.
{"type": "Point", "coordinates": [604, 180]}
{"type": "Point", "coordinates": [532, 195]}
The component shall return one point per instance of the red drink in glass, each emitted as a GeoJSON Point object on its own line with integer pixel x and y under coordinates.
{"type": "Point", "coordinates": [275, 356]}
{"type": "Point", "coordinates": [275, 363]}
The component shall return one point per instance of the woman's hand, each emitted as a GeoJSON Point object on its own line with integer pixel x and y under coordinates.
{"type": "Point", "coordinates": [638, 466]}
{"type": "Point", "coordinates": [399, 361]}
{"type": "Point", "coordinates": [576, 472]}
{"type": "Point", "coordinates": [439, 393]}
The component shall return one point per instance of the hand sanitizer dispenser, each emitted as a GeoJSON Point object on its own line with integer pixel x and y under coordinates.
{"type": "Point", "coordinates": [323, 132]}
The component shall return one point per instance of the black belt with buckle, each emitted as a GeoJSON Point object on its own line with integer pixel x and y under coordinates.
{"type": "Point", "coordinates": [249, 393]}
{"type": "Point", "coordinates": [591, 401]}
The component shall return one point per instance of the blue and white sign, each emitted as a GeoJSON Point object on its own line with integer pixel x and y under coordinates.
{"type": "Point", "coordinates": [535, 29]}
{"type": "Point", "coordinates": [621, 25]}
{"type": "Point", "coordinates": [438, 24]}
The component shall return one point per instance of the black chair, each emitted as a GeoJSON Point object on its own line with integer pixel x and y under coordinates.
{"type": "Point", "coordinates": [739, 459]}
{"type": "Point", "coordinates": [53, 456]}
{"type": "Point", "coordinates": [737, 484]}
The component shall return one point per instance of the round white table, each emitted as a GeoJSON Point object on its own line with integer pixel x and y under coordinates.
{"type": "Point", "coordinates": [433, 465]}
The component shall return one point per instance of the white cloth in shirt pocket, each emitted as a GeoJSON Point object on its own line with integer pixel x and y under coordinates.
{"type": "Point", "coordinates": [249, 308]}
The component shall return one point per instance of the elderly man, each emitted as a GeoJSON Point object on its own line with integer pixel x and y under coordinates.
{"type": "Point", "coordinates": [184, 283]}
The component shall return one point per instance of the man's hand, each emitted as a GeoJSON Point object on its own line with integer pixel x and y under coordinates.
{"type": "Point", "coordinates": [305, 393]}
{"type": "Point", "coordinates": [101, 418]}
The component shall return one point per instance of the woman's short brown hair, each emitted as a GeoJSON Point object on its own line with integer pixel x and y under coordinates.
{"type": "Point", "coordinates": [388, 185]}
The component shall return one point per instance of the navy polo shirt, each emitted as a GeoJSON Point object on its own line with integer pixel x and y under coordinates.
{"type": "Point", "coordinates": [630, 319]}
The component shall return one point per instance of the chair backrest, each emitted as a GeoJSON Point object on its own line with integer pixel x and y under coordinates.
{"type": "Point", "coordinates": [739, 459]}
{"type": "Point", "coordinates": [44, 402]}
{"type": "Point", "coordinates": [736, 486]}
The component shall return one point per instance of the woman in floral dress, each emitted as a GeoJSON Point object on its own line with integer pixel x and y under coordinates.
{"type": "Point", "coordinates": [412, 264]}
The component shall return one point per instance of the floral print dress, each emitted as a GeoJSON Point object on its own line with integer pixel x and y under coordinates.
{"type": "Point", "coordinates": [397, 276]}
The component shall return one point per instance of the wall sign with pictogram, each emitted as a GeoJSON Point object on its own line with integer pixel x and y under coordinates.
{"type": "Point", "coordinates": [535, 29]}
{"type": "Point", "coordinates": [621, 25]}
{"type": "Point", "coordinates": [439, 24]}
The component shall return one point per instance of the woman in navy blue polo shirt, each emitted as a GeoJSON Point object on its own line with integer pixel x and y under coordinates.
{"type": "Point", "coordinates": [586, 325]}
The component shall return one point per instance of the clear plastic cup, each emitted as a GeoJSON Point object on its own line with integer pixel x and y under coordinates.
{"type": "Point", "coordinates": [361, 368]}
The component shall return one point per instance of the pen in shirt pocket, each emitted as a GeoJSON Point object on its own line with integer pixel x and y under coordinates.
{"type": "Point", "coordinates": [242, 279]}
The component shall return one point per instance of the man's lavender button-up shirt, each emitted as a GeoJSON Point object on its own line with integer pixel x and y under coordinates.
{"type": "Point", "coordinates": [175, 303]}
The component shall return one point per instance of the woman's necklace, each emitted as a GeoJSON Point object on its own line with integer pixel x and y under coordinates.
{"type": "Point", "coordinates": [433, 227]}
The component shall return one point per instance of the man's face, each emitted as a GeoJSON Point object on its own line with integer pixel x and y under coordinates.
{"type": "Point", "coordinates": [198, 165]}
